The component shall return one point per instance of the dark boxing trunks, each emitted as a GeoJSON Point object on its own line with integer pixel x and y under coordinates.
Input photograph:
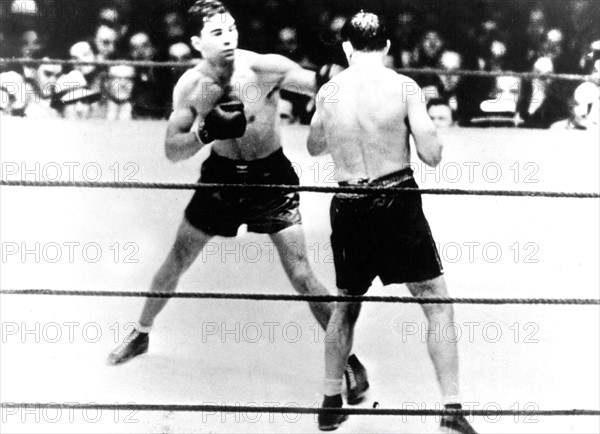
{"type": "Point", "coordinates": [217, 212]}
{"type": "Point", "coordinates": [382, 235]}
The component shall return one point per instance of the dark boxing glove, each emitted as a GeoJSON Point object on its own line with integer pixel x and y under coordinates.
{"type": "Point", "coordinates": [226, 121]}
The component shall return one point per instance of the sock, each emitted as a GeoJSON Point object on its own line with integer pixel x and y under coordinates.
{"type": "Point", "coordinates": [451, 399]}
{"type": "Point", "coordinates": [332, 387]}
{"type": "Point", "coordinates": [144, 329]}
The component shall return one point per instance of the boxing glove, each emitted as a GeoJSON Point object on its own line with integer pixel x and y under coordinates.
{"type": "Point", "coordinates": [226, 121]}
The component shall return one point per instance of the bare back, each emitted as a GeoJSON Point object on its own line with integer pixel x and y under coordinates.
{"type": "Point", "coordinates": [363, 114]}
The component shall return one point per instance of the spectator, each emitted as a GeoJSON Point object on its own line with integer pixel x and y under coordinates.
{"type": "Point", "coordinates": [31, 44]}
{"type": "Point", "coordinates": [30, 47]}
{"type": "Point", "coordinates": [150, 85]}
{"type": "Point", "coordinates": [173, 28]}
{"type": "Point", "coordinates": [535, 31]}
{"type": "Point", "coordinates": [285, 111]}
{"type": "Point", "coordinates": [43, 92]}
{"type": "Point", "coordinates": [451, 61]}
{"type": "Point", "coordinates": [82, 52]}
{"type": "Point", "coordinates": [178, 52]}
{"type": "Point", "coordinates": [105, 42]}
{"type": "Point", "coordinates": [404, 38]}
{"type": "Point", "coordinates": [289, 46]}
{"type": "Point", "coordinates": [584, 112]}
{"type": "Point", "coordinates": [500, 107]}
{"type": "Point", "coordinates": [141, 47]}
{"type": "Point", "coordinates": [440, 113]}
{"type": "Point", "coordinates": [117, 91]}
{"type": "Point", "coordinates": [112, 17]}
{"type": "Point", "coordinates": [535, 99]}
{"type": "Point", "coordinates": [429, 50]}
{"type": "Point", "coordinates": [431, 85]}
{"type": "Point", "coordinates": [76, 100]}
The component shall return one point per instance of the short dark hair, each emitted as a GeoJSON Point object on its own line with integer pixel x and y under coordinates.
{"type": "Point", "coordinates": [365, 31]}
{"type": "Point", "coordinates": [437, 101]}
{"type": "Point", "coordinates": [202, 11]}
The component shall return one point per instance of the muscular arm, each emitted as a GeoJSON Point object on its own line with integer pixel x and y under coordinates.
{"type": "Point", "coordinates": [180, 143]}
{"type": "Point", "coordinates": [427, 142]}
{"type": "Point", "coordinates": [290, 76]}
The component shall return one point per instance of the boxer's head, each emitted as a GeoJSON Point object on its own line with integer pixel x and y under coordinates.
{"type": "Point", "coordinates": [364, 32]}
{"type": "Point", "coordinates": [214, 31]}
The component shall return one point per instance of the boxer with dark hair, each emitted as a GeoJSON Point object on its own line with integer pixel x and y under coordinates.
{"type": "Point", "coordinates": [367, 133]}
{"type": "Point", "coordinates": [208, 108]}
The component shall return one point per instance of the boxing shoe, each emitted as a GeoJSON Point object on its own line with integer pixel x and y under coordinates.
{"type": "Point", "coordinates": [455, 424]}
{"type": "Point", "coordinates": [329, 421]}
{"type": "Point", "coordinates": [357, 383]}
{"type": "Point", "coordinates": [135, 343]}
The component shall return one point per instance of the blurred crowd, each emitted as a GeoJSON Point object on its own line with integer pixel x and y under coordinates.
{"type": "Point", "coordinates": [553, 36]}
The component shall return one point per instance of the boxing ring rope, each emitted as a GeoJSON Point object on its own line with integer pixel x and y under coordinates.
{"type": "Point", "coordinates": [186, 65]}
{"type": "Point", "coordinates": [298, 410]}
{"type": "Point", "coordinates": [314, 298]}
{"type": "Point", "coordinates": [298, 297]}
{"type": "Point", "coordinates": [299, 188]}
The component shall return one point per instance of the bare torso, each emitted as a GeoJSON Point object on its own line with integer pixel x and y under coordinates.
{"type": "Point", "coordinates": [257, 88]}
{"type": "Point", "coordinates": [364, 115]}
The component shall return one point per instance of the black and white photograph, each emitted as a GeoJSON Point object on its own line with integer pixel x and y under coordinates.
{"type": "Point", "coordinates": [300, 216]}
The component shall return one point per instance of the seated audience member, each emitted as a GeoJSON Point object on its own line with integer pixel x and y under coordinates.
{"type": "Point", "coordinates": [172, 27]}
{"type": "Point", "coordinates": [440, 113]}
{"type": "Point", "coordinates": [178, 52]}
{"type": "Point", "coordinates": [112, 17]}
{"type": "Point", "coordinates": [451, 61]}
{"type": "Point", "coordinates": [583, 109]}
{"type": "Point", "coordinates": [83, 52]}
{"type": "Point", "coordinates": [500, 109]}
{"type": "Point", "coordinates": [546, 101]}
{"type": "Point", "coordinates": [288, 45]}
{"type": "Point", "coordinates": [76, 100]}
{"type": "Point", "coordinates": [427, 53]}
{"type": "Point", "coordinates": [141, 47]}
{"type": "Point", "coordinates": [30, 47]}
{"type": "Point", "coordinates": [404, 39]}
{"type": "Point", "coordinates": [106, 40]}
{"type": "Point", "coordinates": [151, 86]}
{"type": "Point", "coordinates": [285, 112]}
{"type": "Point", "coordinates": [116, 94]}
{"type": "Point", "coordinates": [42, 92]}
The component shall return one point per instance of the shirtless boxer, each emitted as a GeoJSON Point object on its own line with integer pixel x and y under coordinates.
{"type": "Point", "coordinates": [366, 130]}
{"type": "Point", "coordinates": [241, 123]}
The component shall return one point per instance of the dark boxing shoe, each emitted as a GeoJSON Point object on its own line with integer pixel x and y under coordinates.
{"type": "Point", "coordinates": [135, 343]}
{"type": "Point", "coordinates": [456, 424]}
{"type": "Point", "coordinates": [357, 383]}
{"type": "Point", "coordinates": [331, 422]}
